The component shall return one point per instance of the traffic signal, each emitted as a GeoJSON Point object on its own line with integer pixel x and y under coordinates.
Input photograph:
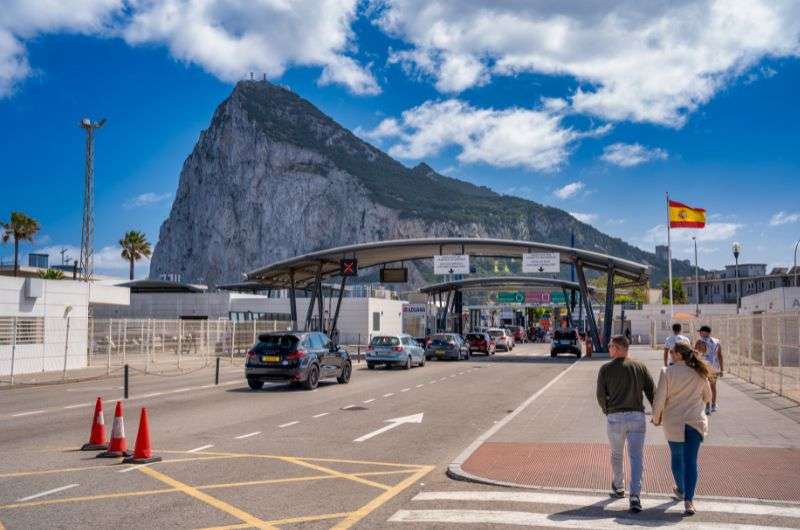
{"type": "Point", "coordinates": [348, 267]}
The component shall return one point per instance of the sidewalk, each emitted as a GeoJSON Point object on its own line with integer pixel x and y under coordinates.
{"type": "Point", "coordinates": [558, 441]}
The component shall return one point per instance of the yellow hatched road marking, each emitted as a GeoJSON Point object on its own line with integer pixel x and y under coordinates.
{"type": "Point", "coordinates": [382, 499]}
{"type": "Point", "coordinates": [208, 499]}
{"type": "Point", "coordinates": [86, 498]}
{"type": "Point", "coordinates": [290, 520]}
{"type": "Point", "coordinates": [335, 473]}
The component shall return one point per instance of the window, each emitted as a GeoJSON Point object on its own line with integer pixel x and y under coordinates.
{"type": "Point", "coordinates": [376, 321]}
{"type": "Point", "coordinates": [317, 341]}
{"type": "Point", "coordinates": [30, 330]}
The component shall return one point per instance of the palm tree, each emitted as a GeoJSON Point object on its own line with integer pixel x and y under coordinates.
{"type": "Point", "coordinates": [21, 228]}
{"type": "Point", "coordinates": [134, 247]}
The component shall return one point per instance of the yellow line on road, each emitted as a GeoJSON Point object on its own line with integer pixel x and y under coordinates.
{"type": "Point", "coordinates": [381, 499]}
{"type": "Point", "coordinates": [86, 498]}
{"type": "Point", "coordinates": [208, 499]}
{"type": "Point", "coordinates": [312, 459]}
{"type": "Point", "coordinates": [335, 473]}
{"type": "Point", "coordinates": [310, 518]}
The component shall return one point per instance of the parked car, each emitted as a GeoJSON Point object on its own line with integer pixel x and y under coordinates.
{"type": "Point", "coordinates": [297, 357]}
{"type": "Point", "coordinates": [565, 340]}
{"type": "Point", "coordinates": [519, 334]}
{"type": "Point", "coordinates": [447, 346]}
{"type": "Point", "coordinates": [422, 341]}
{"type": "Point", "coordinates": [502, 339]}
{"type": "Point", "coordinates": [482, 342]}
{"type": "Point", "coordinates": [394, 350]}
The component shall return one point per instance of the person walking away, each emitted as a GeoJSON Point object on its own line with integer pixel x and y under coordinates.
{"type": "Point", "coordinates": [672, 339]}
{"type": "Point", "coordinates": [713, 356]}
{"type": "Point", "coordinates": [620, 386]}
{"type": "Point", "coordinates": [683, 389]}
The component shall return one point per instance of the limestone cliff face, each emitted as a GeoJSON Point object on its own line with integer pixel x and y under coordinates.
{"type": "Point", "coordinates": [273, 177]}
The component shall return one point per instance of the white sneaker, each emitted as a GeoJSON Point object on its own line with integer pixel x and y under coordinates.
{"type": "Point", "coordinates": [713, 408]}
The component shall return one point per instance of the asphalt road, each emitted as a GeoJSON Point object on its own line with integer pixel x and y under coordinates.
{"type": "Point", "coordinates": [237, 458]}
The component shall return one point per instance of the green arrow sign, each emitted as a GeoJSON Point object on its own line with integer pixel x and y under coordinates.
{"type": "Point", "coordinates": [510, 297]}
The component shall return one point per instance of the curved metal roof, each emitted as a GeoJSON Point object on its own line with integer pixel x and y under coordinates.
{"type": "Point", "coordinates": [500, 281]}
{"type": "Point", "coordinates": [277, 275]}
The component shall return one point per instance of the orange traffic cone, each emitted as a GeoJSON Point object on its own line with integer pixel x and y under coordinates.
{"type": "Point", "coordinates": [97, 436]}
{"type": "Point", "coordinates": [142, 452]}
{"type": "Point", "coordinates": [118, 446]}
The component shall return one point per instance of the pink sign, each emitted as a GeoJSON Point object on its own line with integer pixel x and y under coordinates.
{"type": "Point", "coordinates": [537, 297]}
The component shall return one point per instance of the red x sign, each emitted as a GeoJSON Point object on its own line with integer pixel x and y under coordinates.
{"type": "Point", "coordinates": [348, 267]}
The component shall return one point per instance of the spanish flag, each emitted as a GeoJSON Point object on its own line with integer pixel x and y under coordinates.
{"type": "Point", "coordinates": [682, 216]}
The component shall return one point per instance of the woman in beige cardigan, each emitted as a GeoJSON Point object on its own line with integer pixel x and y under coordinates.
{"type": "Point", "coordinates": [682, 393]}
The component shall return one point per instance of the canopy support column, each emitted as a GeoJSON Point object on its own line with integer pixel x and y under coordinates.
{"type": "Point", "coordinates": [567, 303]}
{"type": "Point", "coordinates": [458, 309]}
{"type": "Point", "coordinates": [587, 304]}
{"type": "Point", "coordinates": [321, 305]}
{"type": "Point", "coordinates": [338, 306]}
{"type": "Point", "coordinates": [608, 318]}
{"type": "Point", "coordinates": [313, 298]}
{"type": "Point", "coordinates": [292, 300]}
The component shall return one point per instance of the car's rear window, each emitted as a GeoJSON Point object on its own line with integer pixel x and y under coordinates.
{"type": "Point", "coordinates": [496, 333]}
{"type": "Point", "coordinates": [441, 340]}
{"type": "Point", "coordinates": [276, 342]}
{"type": "Point", "coordinates": [474, 336]}
{"type": "Point", "coordinates": [385, 341]}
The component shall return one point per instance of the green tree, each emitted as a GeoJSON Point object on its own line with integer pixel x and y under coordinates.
{"type": "Point", "coordinates": [134, 247]}
{"type": "Point", "coordinates": [51, 274]}
{"type": "Point", "coordinates": [678, 294]}
{"type": "Point", "coordinates": [623, 290]}
{"type": "Point", "coordinates": [20, 227]}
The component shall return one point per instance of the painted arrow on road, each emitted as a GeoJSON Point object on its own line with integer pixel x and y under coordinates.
{"type": "Point", "coordinates": [394, 422]}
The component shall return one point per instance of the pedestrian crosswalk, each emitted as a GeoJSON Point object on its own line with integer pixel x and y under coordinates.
{"type": "Point", "coordinates": [584, 511]}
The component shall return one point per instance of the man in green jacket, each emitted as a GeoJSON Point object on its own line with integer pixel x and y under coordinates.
{"type": "Point", "coordinates": [620, 386]}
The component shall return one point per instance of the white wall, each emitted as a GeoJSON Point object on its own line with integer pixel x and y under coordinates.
{"type": "Point", "coordinates": [56, 297]}
{"type": "Point", "coordinates": [642, 319]}
{"type": "Point", "coordinates": [772, 301]}
{"type": "Point", "coordinates": [168, 306]}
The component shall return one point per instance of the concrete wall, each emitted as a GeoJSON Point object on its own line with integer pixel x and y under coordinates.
{"type": "Point", "coordinates": [642, 319]}
{"type": "Point", "coordinates": [773, 301]}
{"type": "Point", "coordinates": [60, 302]}
{"type": "Point", "coordinates": [168, 306]}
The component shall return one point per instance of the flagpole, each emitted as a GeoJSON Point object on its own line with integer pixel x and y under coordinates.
{"type": "Point", "coordinates": [669, 261]}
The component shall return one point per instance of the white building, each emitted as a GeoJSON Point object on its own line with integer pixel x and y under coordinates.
{"type": "Point", "coordinates": [44, 323]}
{"type": "Point", "coordinates": [653, 323]}
{"type": "Point", "coordinates": [773, 301]}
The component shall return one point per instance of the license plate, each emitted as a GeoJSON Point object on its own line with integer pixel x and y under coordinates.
{"type": "Point", "coordinates": [440, 352]}
{"type": "Point", "coordinates": [271, 358]}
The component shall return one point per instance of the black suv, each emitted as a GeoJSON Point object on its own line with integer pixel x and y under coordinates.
{"type": "Point", "coordinates": [565, 340]}
{"type": "Point", "coordinates": [298, 357]}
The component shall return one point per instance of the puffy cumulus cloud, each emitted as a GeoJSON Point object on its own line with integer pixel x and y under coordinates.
{"type": "Point", "coordinates": [145, 199]}
{"type": "Point", "coordinates": [569, 190]}
{"type": "Point", "coordinates": [629, 155]}
{"type": "Point", "coordinates": [783, 218]}
{"type": "Point", "coordinates": [107, 260]}
{"type": "Point", "coordinates": [228, 38]}
{"type": "Point", "coordinates": [587, 218]}
{"type": "Point", "coordinates": [639, 61]}
{"type": "Point", "coordinates": [657, 235]}
{"type": "Point", "coordinates": [513, 137]}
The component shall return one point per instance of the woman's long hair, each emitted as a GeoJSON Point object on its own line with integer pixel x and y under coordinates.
{"type": "Point", "coordinates": [693, 360]}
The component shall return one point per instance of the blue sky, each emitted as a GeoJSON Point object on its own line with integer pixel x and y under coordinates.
{"type": "Point", "coordinates": [569, 118]}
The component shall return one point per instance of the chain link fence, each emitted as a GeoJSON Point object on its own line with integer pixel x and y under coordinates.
{"type": "Point", "coordinates": [763, 349]}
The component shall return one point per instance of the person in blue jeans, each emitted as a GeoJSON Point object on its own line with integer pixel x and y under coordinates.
{"type": "Point", "coordinates": [681, 397]}
{"type": "Point", "coordinates": [621, 384]}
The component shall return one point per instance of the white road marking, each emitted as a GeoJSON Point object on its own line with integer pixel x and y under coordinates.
{"type": "Point", "coordinates": [248, 435]}
{"type": "Point", "coordinates": [392, 423]}
{"type": "Point", "coordinates": [390, 394]}
{"type": "Point", "coordinates": [181, 390]}
{"type": "Point", "coordinates": [420, 385]}
{"type": "Point", "coordinates": [432, 382]}
{"type": "Point", "coordinates": [77, 405]}
{"type": "Point", "coordinates": [405, 390]}
{"type": "Point", "coordinates": [288, 424]}
{"type": "Point", "coordinates": [134, 466]}
{"type": "Point", "coordinates": [48, 492]}
{"type": "Point", "coordinates": [321, 415]}
{"type": "Point", "coordinates": [706, 506]}
{"type": "Point", "coordinates": [30, 413]}
{"type": "Point", "coordinates": [460, 373]}
{"type": "Point", "coordinates": [153, 394]}
{"type": "Point", "coordinates": [452, 376]}
{"type": "Point", "coordinates": [547, 520]}
{"type": "Point", "coordinates": [201, 448]}
{"type": "Point", "coordinates": [368, 400]}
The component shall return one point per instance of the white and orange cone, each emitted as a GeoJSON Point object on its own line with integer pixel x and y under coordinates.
{"type": "Point", "coordinates": [97, 436]}
{"type": "Point", "coordinates": [118, 447]}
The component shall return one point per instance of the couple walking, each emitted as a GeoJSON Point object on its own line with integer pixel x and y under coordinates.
{"type": "Point", "coordinates": [678, 404]}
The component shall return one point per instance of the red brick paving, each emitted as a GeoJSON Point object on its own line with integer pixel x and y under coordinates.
{"type": "Point", "coordinates": [750, 472]}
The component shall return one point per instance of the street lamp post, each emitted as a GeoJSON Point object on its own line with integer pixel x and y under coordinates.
{"type": "Point", "coordinates": [696, 280]}
{"type": "Point", "coordinates": [795, 263]}
{"type": "Point", "coordinates": [737, 248]}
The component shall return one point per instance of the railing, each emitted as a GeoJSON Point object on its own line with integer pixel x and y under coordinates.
{"type": "Point", "coordinates": [763, 349]}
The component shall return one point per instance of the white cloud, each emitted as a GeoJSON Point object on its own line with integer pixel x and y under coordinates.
{"type": "Point", "coordinates": [629, 155]}
{"type": "Point", "coordinates": [782, 218]}
{"type": "Point", "coordinates": [657, 235]}
{"type": "Point", "coordinates": [639, 61]}
{"type": "Point", "coordinates": [228, 38]}
{"type": "Point", "coordinates": [107, 260]}
{"type": "Point", "coordinates": [513, 137]}
{"type": "Point", "coordinates": [587, 218]}
{"type": "Point", "coordinates": [146, 199]}
{"type": "Point", "coordinates": [569, 190]}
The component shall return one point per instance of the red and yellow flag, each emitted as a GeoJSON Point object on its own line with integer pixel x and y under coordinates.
{"type": "Point", "coordinates": [682, 216]}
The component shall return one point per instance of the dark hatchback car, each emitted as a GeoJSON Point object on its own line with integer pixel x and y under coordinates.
{"type": "Point", "coordinates": [565, 340]}
{"type": "Point", "coordinates": [447, 346]}
{"type": "Point", "coordinates": [297, 357]}
{"type": "Point", "coordinates": [482, 342]}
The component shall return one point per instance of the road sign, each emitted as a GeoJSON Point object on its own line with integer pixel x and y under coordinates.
{"type": "Point", "coordinates": [557, 297]}
{"type": "Point", "coordinates": [348, 267]}
{"type": "Point", "coordinates": [394, 275]}
{"type": "Point", "coordinates": [541, 262]}
{"type": "Point", "coordinates": [451, 264]}
{"type": "Point", "coordinates": [394, 422]}
{"type": "Point", "coordinates": [537, 297]}
{"type": "Point", "coordinates": [414, 309]}
{"type": "Point", "coordinates": [510, 297]}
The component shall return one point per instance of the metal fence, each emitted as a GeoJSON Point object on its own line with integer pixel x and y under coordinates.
{"type": "Point", "coordinates": [762, 349]}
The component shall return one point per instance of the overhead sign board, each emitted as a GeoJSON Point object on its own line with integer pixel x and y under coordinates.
{"type": "Point", "coordinates": [510, 297]}
{"type": "Point", "coordinates": [557, 297]}
{"type": "Point", "coordinates": [394, 275]}
{"type": "Point", "coordinates": [537, 297]}
{"type": "Point", "coordinates": [534, 262]}
{"type": "Point", "coordinates": [414, 309]}
{"type": "Point", "coordinates": [348, 267]}
{"type": "Point", "coordinates": [451, 264]}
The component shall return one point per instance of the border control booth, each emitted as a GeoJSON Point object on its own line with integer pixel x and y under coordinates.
{"type": "Point", "coordinates": [451, 257]}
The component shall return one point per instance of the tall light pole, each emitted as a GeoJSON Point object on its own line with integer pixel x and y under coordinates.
{"type": "Point", "coordinates": [696, 280]}
{"type": "Point", "coordinates": [795, 263]}
{"type": "Point", "coordinates": [87, 229]}
{"type": "Point", "coordinates": [737, 249]}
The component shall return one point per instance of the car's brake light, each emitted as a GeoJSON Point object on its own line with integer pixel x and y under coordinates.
{"type": "Point", "coordinates": [250, 356]}
{"type": "Point", "coordinates": [397, 348]}
{"type": "Point", "coordinates": [296, 356]}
